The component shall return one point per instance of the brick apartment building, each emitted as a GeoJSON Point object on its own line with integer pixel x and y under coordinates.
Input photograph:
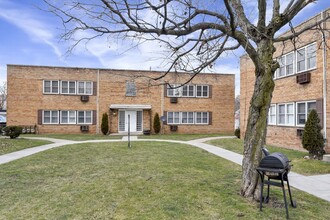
{"type": "Point", "coordinates": [302, 83]}
{"type": "Point", "coordinates": [72, 100]}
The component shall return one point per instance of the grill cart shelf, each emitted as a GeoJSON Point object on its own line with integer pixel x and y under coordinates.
{"type": "Point", "coordinates": [275, 167]}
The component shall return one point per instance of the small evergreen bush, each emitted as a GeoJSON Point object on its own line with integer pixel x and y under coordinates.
{"type": "Point", "coordinates": [12, 131]}
{"type": "Point", "coordinates": [105, 124]}
{"type": "Point", "coordinates": [238, 133]}
{"type": "Point", "coordinates": [312, 138]}
{"type": "Point", "coordinates": [156, 124]}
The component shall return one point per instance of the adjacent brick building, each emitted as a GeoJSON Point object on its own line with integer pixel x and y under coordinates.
{"type": "Point", "coordinates": [302, 83]}
{"type": "Point", "coordinates": [72, 100]}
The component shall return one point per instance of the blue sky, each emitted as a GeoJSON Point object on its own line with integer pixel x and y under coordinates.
{"type": "Point", "coordinates": [30, 36]}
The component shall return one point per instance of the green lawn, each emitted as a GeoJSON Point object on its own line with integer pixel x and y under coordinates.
{"type": "Point", "coordinates": [77, 137]}
{"type": "Point", "coordinates": [84, 137]}
{"type": "Point", "coordinates": [181, 137]}
{"type": "Point", "coordinates": [300, 165]}
{"type": "Point", "coordinates": [11, 145]}
{"type": "Point", "coordinates": [148, 181]}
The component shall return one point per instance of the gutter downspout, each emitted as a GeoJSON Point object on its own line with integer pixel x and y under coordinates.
{"type": "Point", "coordinates": [324, 80]}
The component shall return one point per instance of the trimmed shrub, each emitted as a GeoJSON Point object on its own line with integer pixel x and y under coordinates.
{"type": "Point", "coordinates": [12, 131]}
{"type": "Point", "coordinates": [238, 132]}
{"type": "Point", "coordinates": [156, 125]}
{"type": "Point", "coordinates": [312, 139]}
{"type": "Point", "coordinates": [105, 124]}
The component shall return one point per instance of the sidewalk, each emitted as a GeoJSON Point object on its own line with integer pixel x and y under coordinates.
{"type": "Point", "coordinates": [318, 185]}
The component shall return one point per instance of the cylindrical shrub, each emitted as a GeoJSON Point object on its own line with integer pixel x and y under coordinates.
{"type": "Point", "coordinates": [12, 131]}
{"type": "Point", "coordinates": [105, 124]}
{"type": "Point", "coordinates": [312, 138]}
{"type": "Point", "coordinates": [156, 125]}
{"type": "Point", "coordinates": [238, 132]}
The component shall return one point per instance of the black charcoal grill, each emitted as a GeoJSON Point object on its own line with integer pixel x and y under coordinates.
{"type": "Point", "coordinates": [275, 167]}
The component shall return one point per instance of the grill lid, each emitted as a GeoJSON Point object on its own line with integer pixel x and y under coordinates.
{"type": "Point", "coordinates": [275, 160]}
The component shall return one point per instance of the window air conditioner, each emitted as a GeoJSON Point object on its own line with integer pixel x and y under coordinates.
{"type": "Point", "coordinates": [174, 100]}
{"type": "Point", "coordinates": [173, 127]}
{"type": "Point", "coordinates": [300, 132]}
{"type": "Point", "coordinates": [84, 98]}
{"type": "Point", "coordinates": [84, 128]}
{"type": "Point", "coordinates": [303, 78]}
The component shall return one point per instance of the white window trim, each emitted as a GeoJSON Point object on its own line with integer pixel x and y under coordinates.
{"type": "Point", "coordinates": [306, 111]}
{"type": "Point", "coordinates": [293, 64]}
{"type": "Point", "coordinates": [84, 123]}
{"type": "Point", "coordinates": [68, 93]}
{"type": "Point", "coordinates": [195, 119]}
{"type": "Point", "coordinates": [208, 91]}
{"type": "Point", "coordinates": [306, 58]}
{"type": "Point", "coordinates": [75, 117]}
{"type": "Point", "coordinates": [181, 118]}
{"type": "Point", "coordinates": [272, 105]}
{"type": "Point", "coordinates": [295, 60]}
{"type": "Point", "coordinates": [169, 87]}
{"type": "Point", "coordinates": [285, 115]}
{"type": "Point", "coordinates": [180, 89]}
{"type": "Point", "coordinates": [51, 87]}
{"type": "Point", "coordinates": [174, 119]}
{"type": "Point", "coordinates": [202, 123]}
{"type": "Point", "coordinates": [285, 64]}
{"type": "Point", "coordinates": [50, 123]}
{"type": "Point", "coordinates": [85, 88]}
{"type": "Point", "coordinates": [194, 89]}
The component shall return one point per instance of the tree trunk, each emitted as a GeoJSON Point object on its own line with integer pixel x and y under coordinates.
{"type": "Point", "coordinates": [256, 128]}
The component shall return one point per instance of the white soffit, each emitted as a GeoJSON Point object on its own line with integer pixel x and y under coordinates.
{"type": "Point", "coordinates": [125, 106]}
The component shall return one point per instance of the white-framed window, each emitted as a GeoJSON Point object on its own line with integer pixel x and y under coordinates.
{"type": "Point", "coordinates": [281, 69]}
{"type": "Point", "coordinates": [272, 115]}
{"type": "Point", "coordinates": [68, 87]}
{"type": "Point", "coordinates": [172, 91]}
{"type": "Point", "coordinates": [201, 117]}
{"type": "Point", "coordinates": [173, 117]}
{"type": "Point", "coordinates": [199, 91]}
{"type": "Point", "coordinates": [49, 117]}
{"type": "Point", "coordinates": [84, 117]}
{"type": "Point", "coordinates": [303, 109]}
{"type": "Point", "coordinates": [188, 91]}
{"type": "Point", "coordinates": [311, 56]}
{"type": "Point", "coordinates": [187, 117]}
{"type": "Point", "coordinates": [306, 58]}
{"type": "Point", "coordinates": [289, 58]}
{"type": "Point", "coordinates": [84, 88]}
{"type": "Point", "coordinates": [68, 117]}
{"type": "Point", "coordinates": [285, 114]}
{"type": "Point", "coordinates": [297, 61]}
{"type": "Point", "coordinates": [301, 60]}
{"type": "Point", "coordinates": [286, 65]}
{"type": "Point", "coordinates": [202, 91]}
{"type": "Point", "coordinates": [51, 86]}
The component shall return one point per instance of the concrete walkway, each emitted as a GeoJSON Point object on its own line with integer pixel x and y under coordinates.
{"type": "Point", "coordinates": [318, 185]}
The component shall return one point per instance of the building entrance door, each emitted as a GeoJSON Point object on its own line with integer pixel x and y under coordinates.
{"type": "Point", "coordinates": [135, 120]}
{"type": "Point", "coordinates": [130, 121]}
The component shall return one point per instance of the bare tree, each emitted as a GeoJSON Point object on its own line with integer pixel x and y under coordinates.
{"type": "Point", "coordinates": [196, 33]}
{"type": "Point", "coordinates": [237, 103]}
{"type": "Point", "coordinates": [3, 95]}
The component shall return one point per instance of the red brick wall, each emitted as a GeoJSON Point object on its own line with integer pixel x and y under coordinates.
{"type": "Point", "coordinates": [287, 90]}
{"type": "Point", "coordinates": [25, 97]}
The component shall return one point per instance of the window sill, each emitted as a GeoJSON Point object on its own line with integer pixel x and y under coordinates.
{"type": "Point", "coordinates": [295, 74]}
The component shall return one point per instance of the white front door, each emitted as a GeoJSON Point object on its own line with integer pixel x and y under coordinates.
{"type": "Point", "coordinates": [134, 120]}
{"type": "Point", "coordinates": [130, 121]}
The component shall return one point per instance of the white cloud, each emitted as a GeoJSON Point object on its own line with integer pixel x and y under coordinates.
{"type": "Point", "coordinates": [3, 74]}
{"type": "Point", "coordinates": [30, 24]}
